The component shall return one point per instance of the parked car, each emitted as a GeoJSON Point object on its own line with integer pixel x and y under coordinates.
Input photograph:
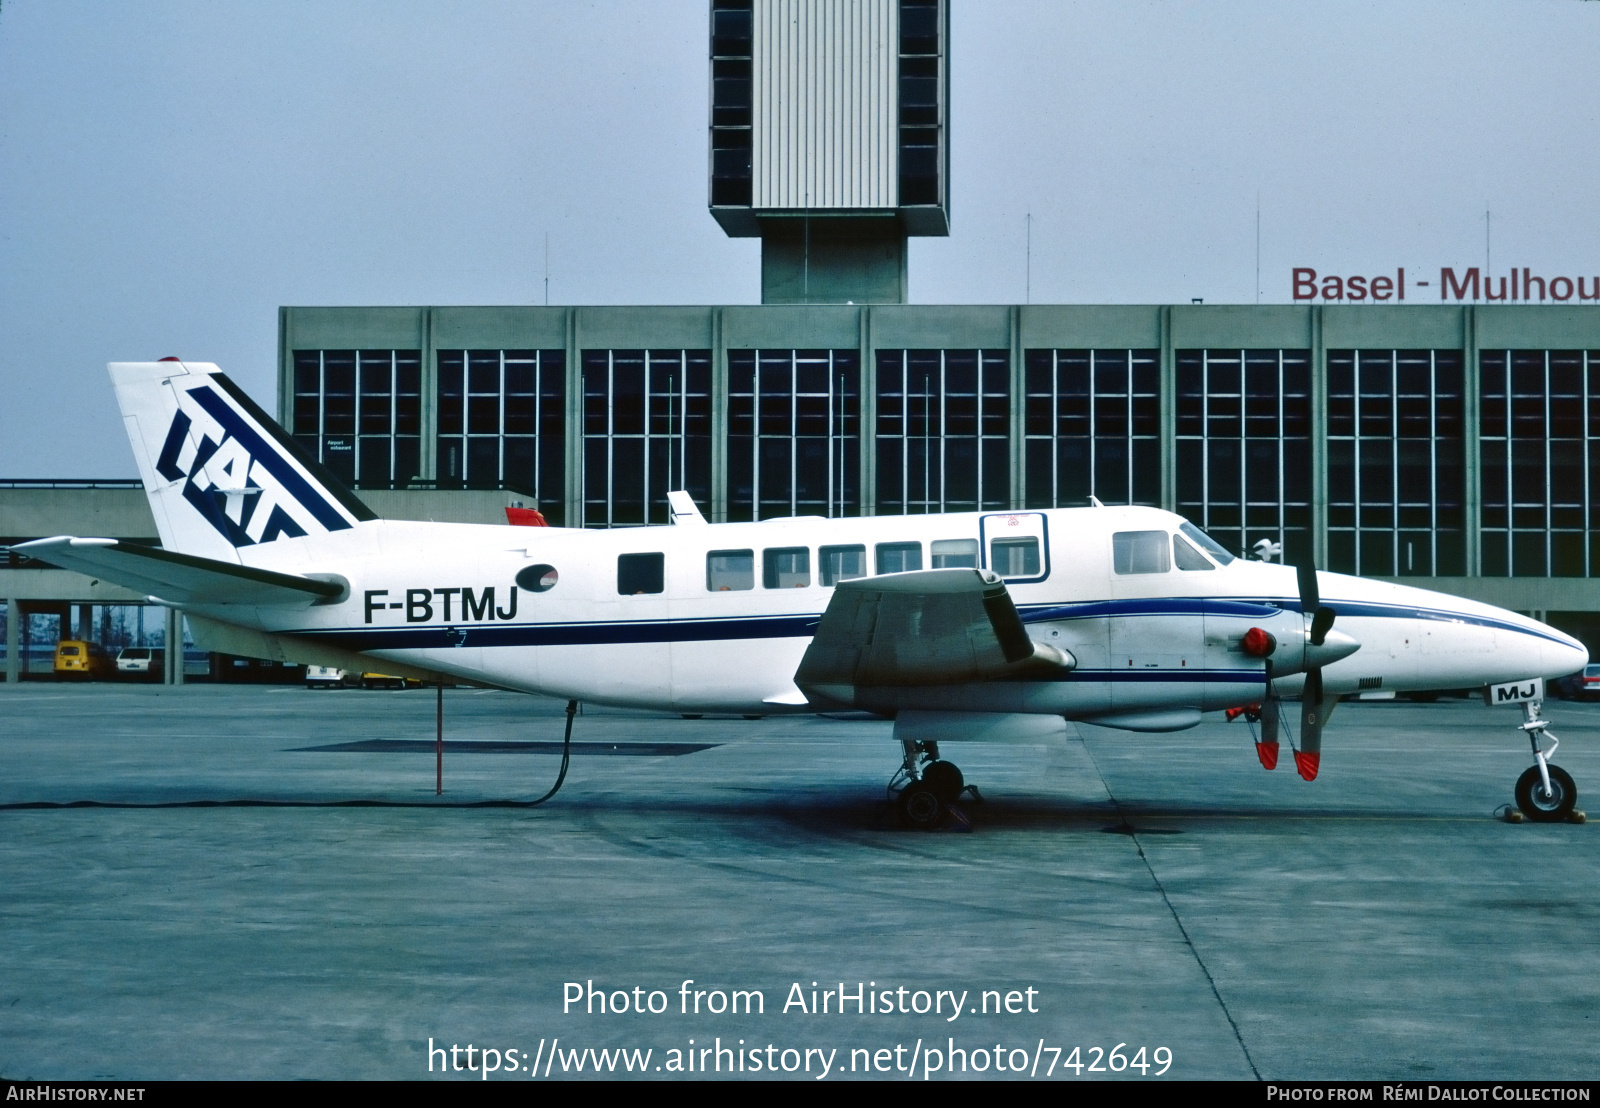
{"type": "Point", "coordinates": [1584, 685]}
{"type": "Point", "coordinates": [76, 658]}
{"type": "Point", "coordinates": [136, 662]}
{"type": "Point", "coordinates": [325, 677]}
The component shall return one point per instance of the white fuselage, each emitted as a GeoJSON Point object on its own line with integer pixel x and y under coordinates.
{"type": "Point", "coordinates": [1146, 641]}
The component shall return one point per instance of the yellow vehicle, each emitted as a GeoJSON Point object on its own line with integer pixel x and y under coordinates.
{"type": "Point", "coordinates": [382, 681]}
{"type": "Point", "coordinates": [75, 658]}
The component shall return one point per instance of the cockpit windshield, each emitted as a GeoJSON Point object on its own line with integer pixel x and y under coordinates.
{"type": "Point", "coordinates": [1205, 542]}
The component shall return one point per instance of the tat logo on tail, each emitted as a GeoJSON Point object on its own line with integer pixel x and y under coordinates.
{"type": "Point", "coordinates": [240, 481]}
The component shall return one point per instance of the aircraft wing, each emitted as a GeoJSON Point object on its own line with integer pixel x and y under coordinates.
{"type": "Point", "coordinates": [926, 627]}
{"type": "Point", "coordinates": [180, 578]}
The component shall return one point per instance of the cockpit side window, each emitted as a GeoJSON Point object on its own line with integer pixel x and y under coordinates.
{"type": "Point", "coordinates": [1205, 542]}
{"type": "Point", "coordinates": [1140, 552]}
{"type": "Point", "coordinates": [1185, 556]}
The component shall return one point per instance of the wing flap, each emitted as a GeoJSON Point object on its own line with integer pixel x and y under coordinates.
{"type": "Point", "coordinates": [181, 578]}
{"type": "Point", "coordinates": [923, 628]}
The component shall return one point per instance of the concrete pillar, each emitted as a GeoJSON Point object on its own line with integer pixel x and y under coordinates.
{"type": "Point", "coordinates": [13, 640]}
{"type": "Point", "coordinates": [1319, 439]}
{"type": "Point", "coordinates": [85, 623]}
{"type": "Point", "coordinates": [172, 672]}
{"type": "Point", "coordinates": [1017, 428]}
{"type": "Point", "coordinates": [718, 508]}
{"type": "Point", "coordinates": [1168, 412]}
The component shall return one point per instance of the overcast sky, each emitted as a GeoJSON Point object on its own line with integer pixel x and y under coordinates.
{"type": "Point", "coordinates": [171, 171]}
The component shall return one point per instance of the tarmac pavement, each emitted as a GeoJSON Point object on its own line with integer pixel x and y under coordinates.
{"type": "Point", "coordinates": [1156, 891]}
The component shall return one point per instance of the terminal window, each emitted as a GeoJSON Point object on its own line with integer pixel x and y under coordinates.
{"type": "Point", "coordinates": [500, 423]}
{"type": "Point", "coordinates": [794, 418]}
{"type": "Point", "coordinates": [1396, 482]}
{"type": "Point", "coordinates": [1092, 425]}
{"type": "Point", "coordinates": [943, 421]}
{"type": "Point", "coordinates": [359, 412]}
{"type": "Point", "coordinates": [1539, 433]}
{"type": "Point", "coordinates": [646, 432]}
{"type": "Point", "coordinates": [1244, 446]}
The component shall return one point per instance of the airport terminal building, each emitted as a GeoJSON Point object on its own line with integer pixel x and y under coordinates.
{"type": "Point", "coordinates": [1453, 443]}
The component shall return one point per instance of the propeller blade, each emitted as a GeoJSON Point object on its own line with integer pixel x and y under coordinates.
{"type": "Point", "coordinates": [1271, 726]}
{"type": "Point", "coordinates": [1310, 597]}
{"type": "Point", "coordinates": [1309, 757]}
{"type": "Point", "coordinates": [1321, 624]}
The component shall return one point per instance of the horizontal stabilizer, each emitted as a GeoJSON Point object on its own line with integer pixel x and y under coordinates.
{"type": "Point", "coordinates": [182, 578]}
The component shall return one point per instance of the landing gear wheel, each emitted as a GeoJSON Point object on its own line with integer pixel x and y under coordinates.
{"type": "Point", "coordinates": [945, 779]}
{"type": "Point", "coordinates": [920, 806]}
{"type": "Point", "coordinates": [1543, 808]}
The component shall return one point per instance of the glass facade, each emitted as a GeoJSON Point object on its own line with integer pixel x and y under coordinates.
{"type": "Point", "coordinates": [359, 412]}
{"type": "Point", "coordinates": [1539, 428]}
{"type": "Point", "coordinates": [794, 421]}
{"type": "Point", "coordinates": [942, 431]}
{"type": "Point", "coordinates": [1244, 446]}
{"type": "Point", "coordinates": [931, 428]}
{"type": "Point", "coordinates": [1396, 477]}
{"type": "Point", "coordinates": [646, 432]}
{"type": "Point", "coordinates": [919, 102]}
{"type": "Point", "coordinates": [501, 423]}
{"type": "Point", "coordinates": [1092, 423]}
{"type": "Point", "coordinates": [731, 30]}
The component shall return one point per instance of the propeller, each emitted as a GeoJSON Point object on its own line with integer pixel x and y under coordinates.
{"type": "Point", "coordinates": [1315, 705]}
{"type": "Point", "coordinates": [1321, 646]}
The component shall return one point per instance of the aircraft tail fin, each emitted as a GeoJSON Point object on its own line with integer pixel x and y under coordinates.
{"type": "Point", "coordinates": [220, 473]}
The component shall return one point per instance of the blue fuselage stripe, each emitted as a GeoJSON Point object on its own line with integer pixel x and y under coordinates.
{"type": "Point", "coordinates": [619, 632]}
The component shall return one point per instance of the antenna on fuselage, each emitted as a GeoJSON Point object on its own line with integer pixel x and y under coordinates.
{"type": "Point", "coordinates": [681, 509]}
{"type": "Point", "coordinates": [1095, 500]}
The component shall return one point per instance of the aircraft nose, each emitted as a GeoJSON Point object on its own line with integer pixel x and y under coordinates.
{"type": "Point", "coordinates": [1567, 657]}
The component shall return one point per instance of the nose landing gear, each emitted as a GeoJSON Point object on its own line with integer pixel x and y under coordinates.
{"type": "Point", "coordinates": [1545, 793]}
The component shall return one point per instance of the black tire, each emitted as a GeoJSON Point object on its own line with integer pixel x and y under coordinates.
{"type": "Point", "coordinates": [920, 806]}
{"type": "Point", "coordinates": [945, 779]}
{"type": "Point", "coordinates": [1546, 809]}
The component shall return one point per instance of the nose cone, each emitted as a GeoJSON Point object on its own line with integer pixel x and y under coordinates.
{"type": "Point", "coordinates": [1335, 645]}
{"type": "Point", "coordinates": [1565, 656]}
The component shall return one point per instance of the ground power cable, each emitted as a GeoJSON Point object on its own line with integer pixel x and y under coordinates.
{"type": "Point", "coordinates": [566, 760]}
{"type": "Point", "coordinates": [1128, 829]}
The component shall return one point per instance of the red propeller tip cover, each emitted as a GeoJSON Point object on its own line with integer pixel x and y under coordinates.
{"type": "Point", "coordinates": [1307, 764]}
{"type": "Point", "coordinates": [1268, 753]}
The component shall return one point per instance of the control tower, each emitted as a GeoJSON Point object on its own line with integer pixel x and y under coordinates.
{"type": "Point", "coordinates": [830, 140]}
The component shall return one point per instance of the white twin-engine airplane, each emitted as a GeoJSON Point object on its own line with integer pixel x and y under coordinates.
{"type": "Point", "coordinates": [988, 625]}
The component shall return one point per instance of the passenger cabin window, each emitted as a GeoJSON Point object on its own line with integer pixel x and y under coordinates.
{"type": "Point", "coordinates": [955, 553]}
{"type": "Point", "coordinates": [1015, 557]}
{"type": "Point", "coordinates": [786, 567]}
{"type": "Point", "coordinates": [899, 557]}
{"type": "Point", "coordinates": [1139, 552]}
{"type": "Point", "coordinates": [1185, 556]}
{"type": "Point", "coordinates": [641, 573]}
{"type": "Point", "coordinates": [730, 570]}
{"type": "Point", "coordinates": [841, 563]}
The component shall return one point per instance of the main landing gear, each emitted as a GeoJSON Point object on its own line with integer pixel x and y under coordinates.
{"type": "Point", "coordinates": [931, 786]}
{"type": "Point", "coordinates": [1545, 793]}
